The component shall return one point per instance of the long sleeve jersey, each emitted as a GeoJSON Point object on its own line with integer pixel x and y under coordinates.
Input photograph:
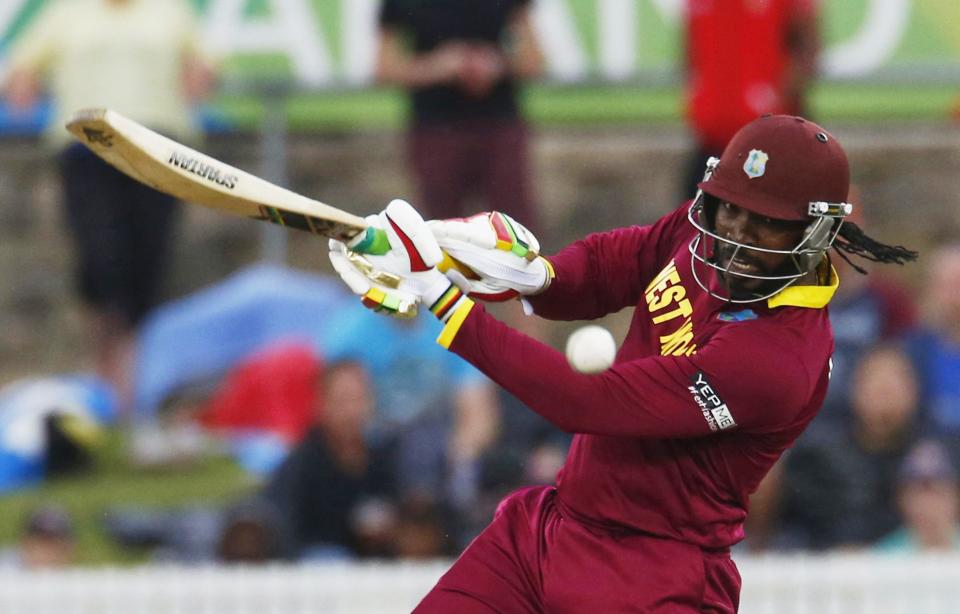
{"type": "Point", "coordinates": [703, 397]}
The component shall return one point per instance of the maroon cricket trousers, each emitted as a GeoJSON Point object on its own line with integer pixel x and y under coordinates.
{"type": "Point", "coordinates": [534, 558]}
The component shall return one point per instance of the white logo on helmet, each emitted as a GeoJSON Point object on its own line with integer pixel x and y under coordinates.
{"type": "Point", "coordinates": [756, 164]}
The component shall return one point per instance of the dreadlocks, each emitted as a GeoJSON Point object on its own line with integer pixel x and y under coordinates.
{"type": "Point", "coordinates": [852, 241]}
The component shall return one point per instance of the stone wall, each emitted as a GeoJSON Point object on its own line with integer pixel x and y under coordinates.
{"type": "Point", "coordinates": [587, 180]}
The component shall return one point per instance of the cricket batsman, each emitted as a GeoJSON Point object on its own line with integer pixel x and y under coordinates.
{"type": "Point", "coordinates": [726, 361]}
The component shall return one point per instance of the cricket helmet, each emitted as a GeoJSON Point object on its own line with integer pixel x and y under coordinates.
{"type": "Point", "coordinates": [781, 167]}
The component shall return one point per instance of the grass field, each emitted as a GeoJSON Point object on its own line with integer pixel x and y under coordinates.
{"type": "Point", "coordinates": [555, 105]}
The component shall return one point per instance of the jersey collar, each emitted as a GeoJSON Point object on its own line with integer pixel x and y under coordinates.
{"type": "Point", "coordinates": [811, 297]}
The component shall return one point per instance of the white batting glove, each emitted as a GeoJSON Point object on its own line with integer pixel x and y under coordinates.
{"type": "Point", "coordinates": [492, 255]}
{"type": "Point", "coordinates": [406, 276]}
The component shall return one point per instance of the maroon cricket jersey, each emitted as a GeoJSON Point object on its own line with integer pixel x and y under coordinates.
{"type": "Point", "coordinates": [703, 398]}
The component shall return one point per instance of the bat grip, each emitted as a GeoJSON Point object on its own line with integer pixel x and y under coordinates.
{"type": "Point", "coordinates": [374, 241]}
{"type": "Point", "coordinates": [371, 241]}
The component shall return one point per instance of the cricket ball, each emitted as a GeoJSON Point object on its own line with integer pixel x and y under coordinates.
{"type": "Point", "coordinates": [591, 349]}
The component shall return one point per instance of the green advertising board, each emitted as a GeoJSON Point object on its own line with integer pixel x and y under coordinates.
{"type": "Point", "coordinates": [327, 45]}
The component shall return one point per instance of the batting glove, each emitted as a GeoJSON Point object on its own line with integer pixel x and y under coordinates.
{"type": "Point", "coordinates": [406, 275]}
{"type": "Point", "coordinates": [492, 255]}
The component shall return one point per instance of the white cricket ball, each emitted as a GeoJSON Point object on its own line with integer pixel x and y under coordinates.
{"type": "Point", "coordinates": [591, 349]}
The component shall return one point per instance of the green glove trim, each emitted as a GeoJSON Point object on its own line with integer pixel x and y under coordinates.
{"type": "Point", "coordinates": [374, 242]}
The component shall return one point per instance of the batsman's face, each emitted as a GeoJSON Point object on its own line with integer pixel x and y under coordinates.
{"type": "Point", "coordinates": [752, 230]}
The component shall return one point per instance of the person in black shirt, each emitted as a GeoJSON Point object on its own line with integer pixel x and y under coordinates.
{"type": "Point", "coordinates": [461, 62]}
{"type": "Point", "coordinates": [333, 492]}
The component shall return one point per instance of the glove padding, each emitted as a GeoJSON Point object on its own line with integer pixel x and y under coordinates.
{"type": "Point", "coordinates": [397, 281]}
{"type": "Point", "coordinates": [492, 255]}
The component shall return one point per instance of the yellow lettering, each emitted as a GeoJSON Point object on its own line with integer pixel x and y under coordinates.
{"type": "Point", "coordinates": [671, 294]}
{"type": "Point", "coordinates": [677, 343]}
{"type": "Point", "coordinates": [659, 282]}
{"type": "Point", "coordinates": [661, 293]}
{"type": "Point", "coordinates": [684, 309]}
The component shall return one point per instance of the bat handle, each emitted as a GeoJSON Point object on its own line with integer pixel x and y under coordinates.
{"type": "Point", "coordinates": [371, 241]}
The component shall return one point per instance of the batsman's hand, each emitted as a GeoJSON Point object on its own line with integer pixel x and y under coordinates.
{"type": "Point", "coordinates": [492, 255]}
{"type": "Point", "coordinates": [406, 275]}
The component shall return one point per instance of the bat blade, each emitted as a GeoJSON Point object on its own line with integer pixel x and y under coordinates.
{"type": "Point", "coordinates": [191, 176]}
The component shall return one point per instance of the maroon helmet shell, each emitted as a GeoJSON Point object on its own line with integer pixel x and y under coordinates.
{"type": "Point", "coordinates": [777, 164]}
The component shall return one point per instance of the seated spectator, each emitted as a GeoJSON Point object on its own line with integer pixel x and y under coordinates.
{"type": "Point", "coordinates": [253, 533]}
{"type": "Point", "coordinates": [928, 497]}
{"type": "Point", "coordinates": [191, 534]}
{"type": "Point", "coordinates": [47, 540]}
{"type": "Point", "coordinates": [840, 483]}
{"type": "Point", "coordinates": [936, 349]}
{"type": "Point", "coordinates": [436, 411]}
{"type": "Point", "coordinates": [422, 532]}
{"type": "Point", "coordinates": [325, 488]}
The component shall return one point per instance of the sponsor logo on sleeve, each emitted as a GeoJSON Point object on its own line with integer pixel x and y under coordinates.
{"type": "Point", "coordinates": [714, 410]}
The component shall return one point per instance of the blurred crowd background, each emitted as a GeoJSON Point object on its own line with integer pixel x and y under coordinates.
{"type": "Point", "coordinates": [182, 386]}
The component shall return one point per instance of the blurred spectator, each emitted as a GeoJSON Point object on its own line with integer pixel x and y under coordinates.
{"type": "Point", "coordinates": [928, 497]}
{"type": "Point", "coordinates": [332, 491]}
{"type": "Point", "coordinates": [190, 534]}
{"type": "Point", "coordinates": [253, 533]}
{"type": "Point", "coordinates": [936, 348]}
{"type": "Point", "coordinates": [744, 58]}
{"type": "Point", "coordinates": [461, 62]}
{"type": "Point", "coordinates": [866, 310]}
{"type": "Point", "coordinates": [436, 411]}
{"type": "Point", "coordinates": [839, 484]}
{"type": "Point", "coordinates": [51, 426]}
{"type": "Point", "coordinates": [422, 533]}
{"type": "Point", "coordinates": [47, 540]}
{"type": "Point", "coordinates": [150, 67]}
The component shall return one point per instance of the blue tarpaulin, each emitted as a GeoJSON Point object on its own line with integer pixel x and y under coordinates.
{"type": "Point", "coordinates": [200, 337]}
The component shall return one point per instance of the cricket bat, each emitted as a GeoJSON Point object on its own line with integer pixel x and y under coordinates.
{"type": "Point", "coordinates": [193, 177]}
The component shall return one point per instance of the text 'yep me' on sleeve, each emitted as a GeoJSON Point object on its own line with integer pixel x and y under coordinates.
{"type": "Point", "coordinates": [606, 272]}
{"type": "Point", "coordinates": [730, 384]}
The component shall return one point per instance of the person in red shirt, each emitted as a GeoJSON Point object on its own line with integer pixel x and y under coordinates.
{"type": "Point", "coordinates": [744, 58]}
{"type": "Point", "coordinates": [725, 362]}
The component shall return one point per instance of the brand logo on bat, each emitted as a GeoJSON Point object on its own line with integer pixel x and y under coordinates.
{"type": "Point", "coordinates": [98, 137]}
{"type": "Point", "coordinates": [203, 170]}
